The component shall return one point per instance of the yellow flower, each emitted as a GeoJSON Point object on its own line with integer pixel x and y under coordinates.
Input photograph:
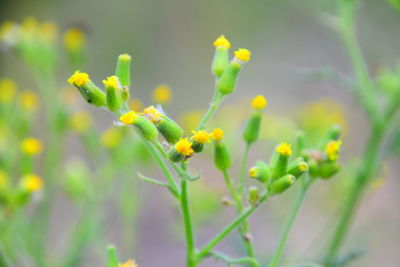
{"type": "Point", "coordinates": [8, 89]}
{"type": "Point", "coordinates": [80, 121]}
{"type": "Point", "coordinates": [28, 100]}
{"type": "Point", "coordinates": [243, 54]}
{"type": "Point", "coordinates": [332, 149]}
{"type": "Point", "coordinates": [128, 118]}
{"type": "Point", "coordinates": [184, 147]}
{"type": "Point", "coordinates": [303, 167]}
{"type": "Point", "coordinates": [31, 146]}
{"type": "Point", "coordinates": [5, 29]}
{"type": "Point", "coordinates": [162, 94]}
{"type": "Point", "coordinates": [128, 263]}
{"type": "Point", "coordinates": [152, 114]}
{"type": "Point", "coordinates": [222, 42]}
{"type": "Point", "coordinates": [284, 149]}
{"type": "Point", "coordinates": [112, 82]}
{"type": "Point", "coordinates": [31, 182]}
{"type": "Point", "coordinates": [48, 31]}
{"type": "Point", "coordinates": [111, 137]}
{"type": "Point", "coordinates": [135, 104]}
{"type": "Point", "coordinates": [217, 134]}
{"type": "Point", "coordinates": [29, 25]}
{"type": "Point", "coordinates": [259, 102]}
{"type": "Point", "coordinates": [253, 172]}
{"type": "Point", "coordinates": [74, 39]}
{"type": "Point", "coordinates": [201, 137]}
{"type": "Point", "coordinates": [79, 78]}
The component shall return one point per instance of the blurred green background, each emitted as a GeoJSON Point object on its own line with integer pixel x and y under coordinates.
{"type": "Point", "coordinates": [171, 42]}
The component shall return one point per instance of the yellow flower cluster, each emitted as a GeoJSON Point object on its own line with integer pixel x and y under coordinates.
{"type": "Point", "coordinates": [128, 118]}
{"type": "Point", "coordinates": [217, 134]}
{"type": "Point", "coordinates": [31, 146]}
{"type": "Point", "coordinates": [332, 149]}
{"type": "Point", "coordinates": [31, 183]}
{"type": "Point", "coordinates": [184, 147]}
{"type": "Point", "coordinates": [243, 54]}
{"type": "Point", "coordinates": [162, 94]}
{"type": "Point", "coordinates": [79, 78]}
{"type": "Point", "coordinates": [259, 102]}
{"type": "Point", "coordinates": [284, 149]}
{"type": "Point", "coordinates": [222, 42]}
{"type": "Point", "coordinates": [201, 137]}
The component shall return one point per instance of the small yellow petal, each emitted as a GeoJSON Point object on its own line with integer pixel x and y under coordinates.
{"type": "Point", "coordinates": [259, 102]}
{"type": "Point", "coordinates": [243, 54]}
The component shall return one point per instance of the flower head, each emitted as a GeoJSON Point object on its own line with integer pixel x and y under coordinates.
{"type": "Point", "coordinates": [152, 114]}
{"type": "Point", "coordinates": [217, 134]}
{"type": "Point", "coordinates": [259, 102]}
{"type": "Point", "coordinates": [80, 121]}
{"type": "Point", "coordinates": [253, 172]}
{"type": "Point", "coordinates": [31, 182]}
{"type": "Point", "coordinates": [31, 146]}
{"type": "Point", "coordinates": [184, 147]}
{"type": "Point", "coordinates": [332, 149]}
{"type": "Point", "coordinates": [48, 31]}
{"type": "Point", "coordinates": [284, 149]}
{"type": "Point", "coordinates": [79, 78]}
{"type": "Point", "coordinates": [7, 90]}
{"type": "Point", "coordinates": [29, 100]}
{"type": "Point", "coordinates": [222, 42]}
{"type": "Point", "coordinates": [303, 167]}
{"type": "Point", "coordinates": [243, 54]}
{"type": "Point", "coordinates": [128, 118]}
{"type": "Point", "coordinates": [128, 263]}
{"type": "Point", "coordinates": [74, 39]}
{"type": "Point", "coordinates": [111, 137]}
{"type": "Point", "coordinates": [111, 82]}
{"type": "Point", "coordinates": [162, 94]}
{"type": "Point", "coordinates": [201, 137]}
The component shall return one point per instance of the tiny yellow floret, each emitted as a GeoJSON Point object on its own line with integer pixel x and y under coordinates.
{"type": "Point", "coordinates": [303, 167]}
{"type": "Point", "coordinates": [111, 82]}
{"type": "Point", "coordinates": [259, 102]}
{"type": "Point", "coordinates": [153, 114]}
{"type": "Point", "coordinates": [29, 100]}
{"type": "Point", "coordinates": [31, 146]}
{"type": "Point", "coordinates": [31, 182]}
{"type": "Point", "coordinates": [128, 118]}
{"type": "Point", "coordinates": [253, 173]}
{"type": "Point", "coordinates": [217, 134]}
{"type": "Point", "coordinates": [184, 147]}
{"type": "Point", "coordinates": [74, 39]}
{"type": "Point", "coordinates": [201, 137]}
{"type": "Point", "coordinates": [332, 149]}
{"type": "Point", "coordinates": [243, 54]}
{"type": "Point", "coordinates": [79, 78]}
{"type": "Point", "coordinates": [125, 57]}
{"type": "Point", "coordinates": [128, 263]}
{"type": "Point", "coordinates": [222, 42]}
{"type": "Point", "coordinates": [162, 94]}
{"type": "Point", "coordinates": [284, 149]}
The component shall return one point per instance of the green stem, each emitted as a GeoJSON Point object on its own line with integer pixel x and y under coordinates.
{"type": "Point", "coordinates": [368, 169]}
{"type": "Point", "coordinates": [231, 188]}
{"type": "Point", "coordinates": [243, 169]}
{"type": "Point", "coordinates": [288, 225]}
{"type": "Point", "coordinates": [217, 100]}
{"type": "Point", "coordinates": [190, 248]}
{"type": "Point", "coordinates": [228, 229]}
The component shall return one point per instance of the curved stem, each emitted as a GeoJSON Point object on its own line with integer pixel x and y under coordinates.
{"type": "Point", "coordinates": [190, 249]}
{"type": "Point", "coordinates": [217, 100]}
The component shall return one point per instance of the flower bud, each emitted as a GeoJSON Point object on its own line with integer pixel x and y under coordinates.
{"type": "Point", "coordinates": [252, 127]}
{"type": "Point", "coordinates": [260, 171]}
{"type": "Point", "coordinates": [281, 159]}
{"type": "Point", "coordinates": [298, 167]}
{"type": "Point", "coordinates": [88, 89]}
{"type": "Point", "coordinates": [332, 150]}
{"type": "Point", "coordinates": [123, 70]}
{"type": "Point", "coordinates": [254, 195]}
{"type": "Point", "coordinates": [145, 127]}
{"type": "Point", "coordinates": [199, 139]}
{"type": "Point", "coordinates": [300, 142]}
{"type": "Point", "coordinates": [328, 169]}
{"type": "Point", "coordinates": [182, 149]}
{"type": "Point", "coordinates": [333, 134]}
{"type": "Point", "coordinates": [282, 184]}
{"type": "Point", "coordinates": [221, 56]}
{"type": "Point", "coordinates": [113, 93]}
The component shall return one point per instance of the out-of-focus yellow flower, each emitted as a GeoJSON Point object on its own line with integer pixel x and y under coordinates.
{"type": "Point", "coordinates": [128, 263]}
{"type": "Point", "coordinates": [284, 149]}
{"type": "Point", "coordinates": [5, 29]}
{"type": "Point", "coordinates": [162, 94]}
{"type": "Point", "coordinates": [135, 104]}
{"type": "Point", "coordinates": [29, 25]}
{"type": "Point", "coordinates": [217, 134]}
{"type": "Point", "coordinates": [332, 149]}
{"type": "Point", "coordinates": [3, 179]}
{"type": "Point", "coordinates": [243, 54]}
{"type": "Point", "coordinates": [31, 183]}
{"type": "Point", "coordinates": [28, 100]}
{"type": "Point", "coordinates": [80, 121]}
{"type": "Point", "coordinates": [201, 137]}
{"type": "Point", "coordinates": [184, 147]}
{"type": "Point", "coordinates": [48, 31]}
{"type": "Point", "coordinates": [190, 120]}
{"type": "Point", "coordinates": [111, 137]}
{"type": "Point", "coordinates": [31, 146]}
{"type": "Point", "coordinates": [8, 89]}
{"type": "Point", "coordinates": [74, 39]}
{"type": "Point", "coordinates": [259, 102]}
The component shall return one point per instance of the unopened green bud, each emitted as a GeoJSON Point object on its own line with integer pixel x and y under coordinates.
{"type": "Point", "coordinates": [282, 184]}
{"type": "Point", "coordinates": [227, 82]}
{"type": "Point", "coordinates": [222, 159]}
{"type": "Point", "coordinates": [174, 156]}
{"type": "Point", "coordinates": [252, 128]}
{"type": "Point", "coordinates": [254, 195]}
{"type": "Point", "coordinates": [328, 169]}
{"type": "Point", "coordinates": [123, 70]}
{"type": "Point", "coordinates": [333, 134]}
{"type": "Point", "coordinates": [313, 167]}
{"type": "Point", "coordinates": [88, 89]}
{"type": "Point", "coordinates": [298, 167]}
{"type": "Point", "coordinates": [113, 93]}
{"type": "Point", "coordinates": [260, 171]}
{"type": "Point", "coordinates": [281, 160]}
{"type": "Point", "coordinates": [145, 127]}
{"type": "Point", "coordinates": [300, 143]}
{"type": "Point", "coordinates": [221, 56]}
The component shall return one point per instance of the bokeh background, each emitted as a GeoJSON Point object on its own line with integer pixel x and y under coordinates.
{"type": "Point", "coordinates": [171, 42]}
